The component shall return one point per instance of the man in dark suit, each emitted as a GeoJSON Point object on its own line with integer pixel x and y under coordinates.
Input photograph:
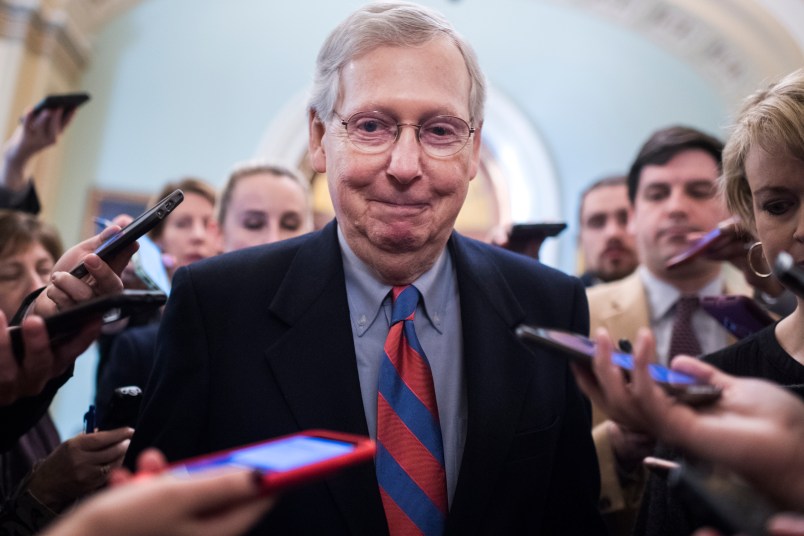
{"type": "Point", "coordinates": [290, 336]}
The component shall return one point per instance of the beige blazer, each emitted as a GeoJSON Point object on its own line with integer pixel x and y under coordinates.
{"type": "Point", "coordinates": [622, 308]}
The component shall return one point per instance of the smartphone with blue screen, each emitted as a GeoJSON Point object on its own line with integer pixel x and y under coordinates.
{"type": "Point", "coordinates": [290, 460]}
{"type": "Point", "coordinates": [580, 349]}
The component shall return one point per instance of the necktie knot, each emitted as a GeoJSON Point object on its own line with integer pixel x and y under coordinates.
{"type": "Point", "coordinates": [405, 298]}
{"type": "Point", "coordinates": [686, 306]}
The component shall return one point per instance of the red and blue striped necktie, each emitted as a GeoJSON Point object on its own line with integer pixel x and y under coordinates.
{"type": "Point", "coordinates": [410, 452]}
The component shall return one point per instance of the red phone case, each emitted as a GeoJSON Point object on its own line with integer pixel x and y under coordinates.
{"type": "Point", "coordinates": [363, 451]}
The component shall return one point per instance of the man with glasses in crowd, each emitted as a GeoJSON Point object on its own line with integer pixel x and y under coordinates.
{"type": "Point", "coordinates": [386, 322]}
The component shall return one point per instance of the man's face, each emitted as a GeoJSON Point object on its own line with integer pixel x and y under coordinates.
{"type": "Point", "coordinates": [607, 245]}
{"type": "Point", "coordinates": [400, 200]}
{"type": "Point", "coordinates": [672, 201]}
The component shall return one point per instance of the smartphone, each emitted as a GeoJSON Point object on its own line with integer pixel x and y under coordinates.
{"type": "Point", "coordinates": [580, 349]}
{"type": "Point", "coordinates": [131, 232]}
{"type": "Point", "coordinates": [67, 101]}
{"type": "Point", "coordinates": [123, 410]}
{"type": "Point", "coordinates": [109, 308]}
{"type": "Point", "coordinates": [527, 238]}
{"type": "Point", "coordinates": [290, 460]}
{"type": "Point", "coordinates": [696, 248]}
{"type": "Point", "coordinates": [740, 315]}
{"type": "Point", "coordinates": [721, 500]}
{"type": "Point", "coordinates": [149, 267]}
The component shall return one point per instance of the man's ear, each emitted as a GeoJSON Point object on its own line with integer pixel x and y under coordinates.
{"type": "Point", "coordinates": [317, 130]}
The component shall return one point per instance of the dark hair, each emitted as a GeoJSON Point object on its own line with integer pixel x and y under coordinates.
{"type": "Point", "coordinates": [613, 180]}
{"type": "Point", "coordinates": [188, 185]}
{"type": "Point", "coordinates": [666, 143]}
{"type": "Point", "coordinates": [20, 230]}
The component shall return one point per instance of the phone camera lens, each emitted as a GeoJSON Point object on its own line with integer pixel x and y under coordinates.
{"type": "Point", "coordinates": [160, 213]}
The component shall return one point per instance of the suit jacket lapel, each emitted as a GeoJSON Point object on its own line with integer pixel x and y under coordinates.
{"type": "Point", "coordinates": [622, 311]}
{"type": "Point", "coordinates": [498, 373]}
{"type": "Point", "coordinates": [315, 367]}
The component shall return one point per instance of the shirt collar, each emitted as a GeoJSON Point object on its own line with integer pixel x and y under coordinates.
{"type": "Point", "coordinates": [366, 294]}
{"type": "Point", "coordinates": [662, 296]}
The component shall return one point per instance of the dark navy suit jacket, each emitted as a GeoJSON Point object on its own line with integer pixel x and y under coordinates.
{"type": "Point", "coordinates": [258, 343]}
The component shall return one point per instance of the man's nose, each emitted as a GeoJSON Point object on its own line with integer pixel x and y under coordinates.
{"type": "Point", "coordinates": [406, 153]}
{"type": "Point", "coordinates": [677, 201]}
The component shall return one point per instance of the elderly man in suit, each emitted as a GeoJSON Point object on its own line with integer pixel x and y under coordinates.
{"type": "Point", "coordinates": [672, 188]}
{"type": "Point", "coordinates": [290, 336]}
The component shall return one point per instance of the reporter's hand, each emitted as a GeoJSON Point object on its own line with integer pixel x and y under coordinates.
{"type": "Point", "coordinates": [65, 290]}
{"type": "Point", "coordinates": [732, 246]}
{"type": "Point", "coordinates": [40, 363]}
{"type": "Point", "coordinates": [79, 466]}
{"type": "Point", "coordinates": [219, 503]}
{"type": "Point", "coordinates": [33, 134]}
{"type": "Point", "coordinates": [629, 447]}
{"type": "Point", "coordinates": [786, 524]}
{"type": "Point", "coordinates": [607, 387]}
{"type": "Point", "coordinates": [756, 428]}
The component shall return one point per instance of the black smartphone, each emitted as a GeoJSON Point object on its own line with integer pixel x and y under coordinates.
{"type": "Point", "coordinates": [131, 232]}
{"type": "Point", "coordinates": [123, 410]}
{"type": "Point", "coordinates": [789, 273]}
{"type": "Point", "coordinates": [740, 315]}
{"type": "Point", "coordinates": [721, 500]}
{"type": "Point", "coordinates": [527, 238]}
{"type": "Point", "coordinates": [67, 101]}
{"type": "Point", "coordinates": [580, 349]}
{"type": "Point", "coordinates": [109, 308]}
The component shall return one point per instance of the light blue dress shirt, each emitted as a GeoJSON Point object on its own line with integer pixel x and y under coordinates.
{"type": "Point", "coordinates": [438, 327]}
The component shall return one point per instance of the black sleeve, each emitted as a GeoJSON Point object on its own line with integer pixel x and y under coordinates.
{"type": "Point", "coordinates": [24, 200]}
{"type": "Point", "coordinates": [19, 417]}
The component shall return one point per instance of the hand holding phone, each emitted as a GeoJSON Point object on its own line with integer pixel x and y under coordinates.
{"type": "Point", "coordinates": [290, 460]}
{"type": "Point", "coordinates": [108, 308]}
{"type": "Point", "coordinates": [581, 350]}
{"type": "Point", "coordinates": [723, 233]}
{"type": "Point", "coordinates": [131, 232]}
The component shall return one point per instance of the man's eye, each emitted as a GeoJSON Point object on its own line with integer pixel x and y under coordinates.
{"type": "Point", "coordinates": [702, 190]}
{"type": "Point", "coordinates": [656, 194]}
{"type": "Point", "coordinates": [440, 130]}
{"type": "Point", "coordinates": [597, 221]}
{"type": "Point", "coordinates": [368, 126]}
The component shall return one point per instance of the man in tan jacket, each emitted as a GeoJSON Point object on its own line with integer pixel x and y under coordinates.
{"type": "Point", "coordinates": [674, 197]}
